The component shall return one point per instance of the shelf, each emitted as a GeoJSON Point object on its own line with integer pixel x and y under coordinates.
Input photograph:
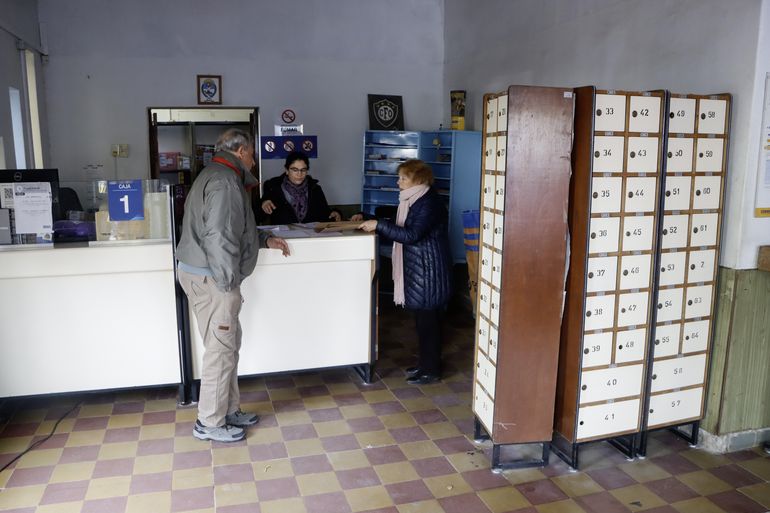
{"type": "Point", "coordinates": [382, 189]}
{"type": "Point", "coordinates": [396, 146]}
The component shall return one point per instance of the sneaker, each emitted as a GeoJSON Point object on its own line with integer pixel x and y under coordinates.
{"type": "Point", "coordinates": [241, 419]}
{"type": "Point", "coordinates": [219, 434]}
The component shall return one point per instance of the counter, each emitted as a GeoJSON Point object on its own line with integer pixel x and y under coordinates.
{"type": "Point", "coordinates": [87, 318]}
{"type": "Point", "coordinates": [313, 309]}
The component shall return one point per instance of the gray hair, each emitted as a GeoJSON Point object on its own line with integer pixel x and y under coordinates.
{"type": "Point", "coordinates": [232, 139]}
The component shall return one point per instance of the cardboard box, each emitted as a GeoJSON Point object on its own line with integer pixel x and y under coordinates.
{"type": "Point", "coordinates": [763, 262]}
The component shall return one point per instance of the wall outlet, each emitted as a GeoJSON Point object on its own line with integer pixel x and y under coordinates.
{"type": "Point", "coordinates": [120, 150]}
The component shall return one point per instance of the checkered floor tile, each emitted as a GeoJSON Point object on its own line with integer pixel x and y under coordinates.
{"type": "Point", "coordinates": [327, 443]}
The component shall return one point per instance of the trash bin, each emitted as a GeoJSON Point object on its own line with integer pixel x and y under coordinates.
{"type": "Point", "coordinates": [471, 240]}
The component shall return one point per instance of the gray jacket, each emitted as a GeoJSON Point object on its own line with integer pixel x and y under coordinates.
{"type": "Point", "coordinates": [218, 229]}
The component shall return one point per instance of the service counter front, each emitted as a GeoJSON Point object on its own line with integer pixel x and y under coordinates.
{"type": "Point", "coordinates": [96, 317]}
{"type": "Point", "coordinates": [313, 309]}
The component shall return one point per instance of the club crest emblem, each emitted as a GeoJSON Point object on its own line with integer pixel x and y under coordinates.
{"type": "Point", "coordinates": [386, 112]}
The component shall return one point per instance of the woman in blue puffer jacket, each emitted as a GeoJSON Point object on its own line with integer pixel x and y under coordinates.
{"type": "Point", "coordinates": [421, 262]}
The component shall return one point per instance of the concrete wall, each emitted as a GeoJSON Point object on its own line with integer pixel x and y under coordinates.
{"type": "Point", "coordinates": [686, 46]}
{"type": "Point", "coordinates": [109, 61]}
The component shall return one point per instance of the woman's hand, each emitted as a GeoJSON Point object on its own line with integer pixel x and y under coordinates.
{"type": "Point", "coordinates": [335, 216]}
{"type": "Point", "coordinates": [279, 243]}
{"type": "Point", "coordinates": [357, 217]}
{"type": "Point", "coordinates": [268, 206]}
{"type": "Point", "coordinates": [368, 226]}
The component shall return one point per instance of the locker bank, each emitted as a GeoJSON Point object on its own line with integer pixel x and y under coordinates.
{"type": "Point", "coordinates": [607, 189]}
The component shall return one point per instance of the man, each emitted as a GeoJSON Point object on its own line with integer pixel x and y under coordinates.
{"type": "Point", "coordinates": [216, 252]}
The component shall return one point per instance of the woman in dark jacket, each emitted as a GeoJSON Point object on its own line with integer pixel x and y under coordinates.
{"type": "Point", "coordinates": [421, 262]}
{"type": "Point", "coordinates": [295, 196]}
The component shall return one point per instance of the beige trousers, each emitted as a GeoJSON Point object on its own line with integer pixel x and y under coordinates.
{"type": "Point", "coordinates": [217, 314]}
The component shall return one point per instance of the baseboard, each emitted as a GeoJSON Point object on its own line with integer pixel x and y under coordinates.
{"type": "Point", "coordinates": [732, 442]}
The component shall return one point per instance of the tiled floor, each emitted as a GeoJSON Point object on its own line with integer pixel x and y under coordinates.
{"type": "Point", "coordinates": [329, 443]}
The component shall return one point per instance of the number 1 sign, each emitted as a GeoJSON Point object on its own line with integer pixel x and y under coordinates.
{"type": "Point", "coordinates": [126, 201]}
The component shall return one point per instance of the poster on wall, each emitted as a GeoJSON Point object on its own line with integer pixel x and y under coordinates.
{"type": "Point", "coordinates": [386, 112]}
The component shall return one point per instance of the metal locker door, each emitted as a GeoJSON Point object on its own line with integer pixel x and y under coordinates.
{"type": "Point", "coordinates": [672, 266]}
{"type": "Point", "coordinates": [602, 273]}
{"type": "Point", "coordinates": [677, 193]}
{"type": "Point", "coordinates": [610, 113]}
{"type": "Point", "coordinates": [605, 195]}
{"type": "Point", "coordinates": [635, 271]}
{"type": "Point", "coordinates": [701, 268]}
{"type": "Point", "coordinates": [608, 154]}
{"type": "Point", "coordinates": [644, 114]}
{"type": "Point", "coordinates": [681, 116]}
{"type": "Point", "coordinates": [629, 345]}
{"type": "Point", "coordinates": [704, 229]}
{"type": "Point", "coordinates": [707, 192]}
{"type": "Point", "coordinates": [642, 155]}
{"type": "Point", "coordinates": [667, 340]}
{"type": "Point", "coordinates": [711, 116]}
{"type": "Point", "coordinates": [640, 194]}
{"type": "Point", "coordinates": [708, 154]}
{"type": "Point", "coordinates": [679, 155]}
{"type": "Point", "coordinates": [597, 349]}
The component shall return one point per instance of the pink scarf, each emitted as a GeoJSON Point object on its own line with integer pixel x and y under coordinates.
{"type": "Point", "coordinates": [406, 199]}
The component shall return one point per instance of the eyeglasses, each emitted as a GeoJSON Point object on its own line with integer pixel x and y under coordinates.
{"type": "Point", "coordinates": [298, 170]}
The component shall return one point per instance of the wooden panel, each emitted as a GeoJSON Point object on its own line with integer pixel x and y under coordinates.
{"type": "Point", "coordinates": [534, 250]}
{"type": "Point", "coordinates": [578, 215]}
{"type": "Point", "coordinates": [745, 402]}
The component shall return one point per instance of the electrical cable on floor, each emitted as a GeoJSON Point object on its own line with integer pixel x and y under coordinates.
{"type": "Point", "coordinates": [42, 440]}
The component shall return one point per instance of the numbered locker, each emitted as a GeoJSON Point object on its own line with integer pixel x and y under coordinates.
{"type": "Point", "coordinates": [666, 339]}
{"type": "Point", "coordinates": [605, 195]}
{"type": "Point", "coordinates": [704, 229]}
{"type": "Point", "coordinates": [707, 192]}
{"type": "Point", "coordinates": [500, 192]}
{"type": "Point", "coordinates": [491, 118]}
{"type": "Point", "coordinates": [677, 193]}
{"type": "Point", "coordinates": [629, 345]}
{"type": "Point", "coordinates": [602, 274]}
{"type": "Point", "coordinates": [483, 406]}
{"type": "Point", "coordinates": [696, 336]}
{"type": "Point", "coordinates": [678, 372]}
{"type": "Point", "coordinates": [603, 234]}
{"type": "Point", "coordinates": [603, 384]}
{"type": "Point", "coordinates": [640, 194]}
{"type": "Point", "coordinates": [672, 267]}
{"type": "Point", "coordinates": [498, 231]}
{"type": "Point", "coordinates": [502, 114]}
{"type": "Point", "coordinates": [604, 419]}
{"type": "Point", "coordinates": [486, 264]}
{"type": "Point", "coordinates": [669, 304]}
{"type": "Point", "coordinates": [487, 227]}
{"type": "Point", "coordinates": [489, 191]}
{"type": "Point", "coordinates": [681, 116]}
{"type": "Point", "coordinates": [485, 295]}
{"type": "Point", "coordinates": [637, 233]}
{"type": "Point", "coordinates": [635, 271]}
{"type": "Point", "coordinates": [642, 155]}
{"type": "Point", "coordinates": [490, 153]}
{"type": "Point", "coordinates": [497, 269]}
{"type": "Point", "coordinates": [644, 115]}
{"type": "Point", "coordinates": [675, 407]}
{"type": "Point", "coordinates": [494, 308]}
{"type": "Point", "coordinates": [708, 153]}
{"type": "Point", "coordinates": [674, 232]}
{"type": "Point", "coordinates": [482, 335]}
{"type": "Point", "coordinates": [701, 267]}
{"type": "Point", "coordinates": [485, 373]}
{"type": "Point", "coordinates": [608, 154]}
{"type": "Point", "coordinates": [698, 301]}
{"type": "Point", "coordinates": [711, 116]}
{"type": "Point", "coordinates": [597, 349]}
{"type": "Point", "coordinates": [632, 308]}
{"type": "Point", "coordinates": [610, 114]}
{"type": "Point", "coordinates": [492, 353]}
{"type": "Point", "coordinates": [599, 312]}
{"type": "Point", "coordinates": [679, 155]}
{"type": "Point", "coordinates": [500, 163]}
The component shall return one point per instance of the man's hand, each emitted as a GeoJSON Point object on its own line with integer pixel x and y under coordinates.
{"type": "Point", "coordinates": [368, 226]}
{"type": "Point", "coordinates": [279, 243]}
{"type": "Point", "coordinates": [335, 216]}
{"type": "Point", "coordinates": [268, 206]}
{"type": "Point", "coordinates": [357, 217]}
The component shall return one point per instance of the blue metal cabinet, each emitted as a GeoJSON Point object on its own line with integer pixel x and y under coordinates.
{"type": "Point", "coordinates": [455, 157]}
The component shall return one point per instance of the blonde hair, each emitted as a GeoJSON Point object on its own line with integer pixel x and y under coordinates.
{"type": "Point", "coordinates": [417, 171]}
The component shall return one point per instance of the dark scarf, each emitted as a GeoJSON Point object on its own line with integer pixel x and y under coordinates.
{"type": "Point", "coordinates": [296, 195]}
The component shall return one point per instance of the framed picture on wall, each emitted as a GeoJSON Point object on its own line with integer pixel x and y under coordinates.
{"type": "Point", "coordinates": [209, 89]}
{"type": "Point", "coordinates": [386, 112]}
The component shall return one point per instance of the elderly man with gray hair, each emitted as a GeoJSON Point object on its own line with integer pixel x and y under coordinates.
{"type": "Point", "coordinates": [216, 252]}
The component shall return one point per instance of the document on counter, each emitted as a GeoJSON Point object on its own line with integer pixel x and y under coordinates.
{"type": "Point", "coordinates": [32, 205]}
